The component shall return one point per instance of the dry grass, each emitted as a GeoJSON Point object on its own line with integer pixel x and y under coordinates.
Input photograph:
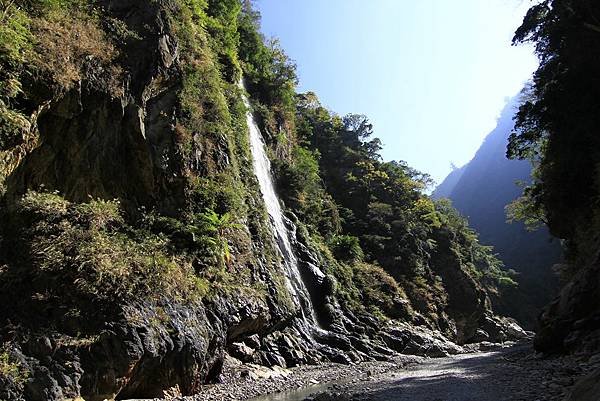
{"type": "Point", "coordinates": [379, 289]}
{"type": "Point", "coordinates": [70, 46]}
{"type": "Point", "coordinates": [89, 250]}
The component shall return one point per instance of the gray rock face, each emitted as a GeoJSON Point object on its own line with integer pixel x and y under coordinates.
{"type": "Point", "coordinates": [572, 321]}
{"type": "Point", "coordinates": [108, 136]}
{"type": "Point", "coordinates": [587, 388]}
{"type": "Point", "coordinates": [135, 354]}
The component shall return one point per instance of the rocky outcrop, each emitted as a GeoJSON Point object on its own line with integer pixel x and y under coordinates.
{"type": "Point", "coordinates": [89, 136]}
{"type": "Point", "coordinates": [572, 321]}
{"type": "Point", "coordinates": [587, 388]}
{"type": "Point", "coordinates": [166, 156]}
{"type": "Point", "coordinates": [97, 144]}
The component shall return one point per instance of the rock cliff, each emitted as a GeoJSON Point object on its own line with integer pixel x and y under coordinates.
{"type": "Point", "coordinates": [135, 246]}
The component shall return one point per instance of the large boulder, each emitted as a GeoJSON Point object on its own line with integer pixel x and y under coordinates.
{"type": "Point", "coordinates": [572, 321]}
{"type": "Point", "coordinates": [587, 388]}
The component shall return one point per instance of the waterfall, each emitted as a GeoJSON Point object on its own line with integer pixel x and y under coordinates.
{"type": "Point", "coordinates": [262, 170]}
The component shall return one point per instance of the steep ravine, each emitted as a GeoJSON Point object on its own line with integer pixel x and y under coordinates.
{"type": "Point", "coordinates": [481, 190]}
{"type": "Point", "coordinates": [142, 244]}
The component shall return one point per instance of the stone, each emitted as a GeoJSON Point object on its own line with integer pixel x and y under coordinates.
{"type": "Point", "coordinates": [242, 352]}
{"type": "Point", "coordinates": [480, 336]}
{"type": "Point", "coordinates": [253, 341]}
{"type": "Point", "coordinates": [587, 388]}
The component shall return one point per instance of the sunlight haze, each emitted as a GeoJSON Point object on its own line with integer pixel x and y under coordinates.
{"type": "Point", "coordinates": [431, 75]}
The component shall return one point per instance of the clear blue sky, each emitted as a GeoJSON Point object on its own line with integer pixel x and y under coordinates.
{"type": "Point", "coordinates": [432, 75]}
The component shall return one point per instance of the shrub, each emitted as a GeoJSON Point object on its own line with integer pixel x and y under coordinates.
{"type": "Point", "coordinates": [15, 37]}
{"type": "Point", "coordinates": [12, 126]}
{"type": "Point", "coordinates": [15, 46]}
{"type": "Point", "coordinates": [88, 250]}
{"type": "Point", "coordinates": [11, 370]}
{"type": "Point", "coordinates": [379, 290]}
{"type": "Point", "coordinates": [346, 248]}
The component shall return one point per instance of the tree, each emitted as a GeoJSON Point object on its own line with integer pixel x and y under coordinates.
{"type": "Point", "coordinates": [211, 228]}
{"type": "Point", "coordinates": [557, 124]}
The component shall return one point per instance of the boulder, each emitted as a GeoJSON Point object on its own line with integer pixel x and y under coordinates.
{"type": "Point", "coordinates": [587, 388]}
{"type": "Point", "coordinates": [572, 321]}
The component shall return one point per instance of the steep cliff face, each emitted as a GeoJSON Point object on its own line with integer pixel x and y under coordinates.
{"type": "Point", "coordinates": [131, 297]}
{"type": "Point", "coordinates": [571, 322]}
{"type": "Point", "coordinates": [487, 184]}
{"type": "Point", "coordinates": [557, 124]}
{"type": "Point", "coordinates": [445, 188]}
{"type": "Point", "coordinates": [135, 245]}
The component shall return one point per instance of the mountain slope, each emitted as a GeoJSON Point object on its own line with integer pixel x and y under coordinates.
{"type": "Point", "coordinates": [559, 122]}
{"type": "Point", "coordinates": [445, 188]}
{"type": "Point", "coordinates": [487, 184]}
{"type": "Point", "coordinates": [144, 235]}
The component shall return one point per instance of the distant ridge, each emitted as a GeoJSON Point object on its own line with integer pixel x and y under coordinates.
{"type": "Point", "coordinates": [444, 190]}
{"type": "Point", "coordinates": [480, 190]}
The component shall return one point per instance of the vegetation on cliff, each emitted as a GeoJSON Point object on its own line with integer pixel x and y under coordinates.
{"type": "Point", "coordinates": [563, 144]}
{"type": "Point", "coordinates": [481, 190]}
{"type": "Point", "coordinates": [557, 127]}
{"type": "Point", "coordinates": [134, 236]}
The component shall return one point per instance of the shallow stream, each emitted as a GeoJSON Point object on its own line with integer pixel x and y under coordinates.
{"type": "Point", "coordinates": [299, 394]}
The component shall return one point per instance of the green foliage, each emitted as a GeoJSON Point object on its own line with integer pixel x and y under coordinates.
{"type": "Point", "coordinates": [221, 193]}
{"type": "Point", "coordinates": [12, 126]}
{"type": "Point", "coordinates": [364, 287]}
{"type": "Point", "coordinates": [15, 36]}
{"type": "Point", "coordinates": [300, 186]}
{"type": "Point", "coordinates": [88, 250]}
{"type": "Point", "coordinates": [215, 228]}
{"type": "Point", "coordinates": [343, 283]}
{"type": "Point", "coordinates": [202, 236]}
{"type": "Point", "coordinates": [370, 219]}
{"type": "Point", "coordinates": [379, 291]}
{"type": "Point", "coordinates": [426, 210]}
{"type": "Point", "coordinates": [346, 248]}
{"type": "Point", "coordinates": [269, 74]}
{"type": "Point", "coordinates": [376, 199]}
{"type": "Point", "coordinates": [524, 209]}
{"type": "Point", "coordinates": [15, 45]}
{"type": "Point", "coordinates": [204, 109]}
{"type": "Point", "coordinates": [12, 370]}
{"type": "Point", "coordinates": [223, 29]}
{"type": "Point", "coordinates": [461, 241]}
{"type": "Point", "coordinates": [558, 120]}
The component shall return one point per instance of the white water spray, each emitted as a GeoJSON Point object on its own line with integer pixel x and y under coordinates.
{"type": "Point", "coordinates": [262, 170]}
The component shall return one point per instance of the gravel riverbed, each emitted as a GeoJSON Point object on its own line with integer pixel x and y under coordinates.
{"type": "Point", "coordinates": [245, 382]}
{"type": "Point", "coordinates": [500, 373]}
{"type": "Point", "coordinates": [509, 374]}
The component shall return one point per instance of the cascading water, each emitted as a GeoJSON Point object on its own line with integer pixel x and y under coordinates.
{"type": "Point", "coordinates": [262, 170]}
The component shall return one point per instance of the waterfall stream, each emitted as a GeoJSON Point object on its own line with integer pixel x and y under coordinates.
{"type": "Point", "coordinates": [262, 170]}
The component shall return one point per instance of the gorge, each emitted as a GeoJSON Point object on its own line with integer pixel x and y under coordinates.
{"type": "Point", "coordinates": [177, 221]}
{"type": "Point", "coordinates": [481, 190]}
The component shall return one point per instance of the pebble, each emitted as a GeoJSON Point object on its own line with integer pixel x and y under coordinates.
{"type": "Point", "coordinates": [528, 374]}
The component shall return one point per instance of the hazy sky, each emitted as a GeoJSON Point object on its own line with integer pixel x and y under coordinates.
{"type": "Point", "coordinates": [432, 75]}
